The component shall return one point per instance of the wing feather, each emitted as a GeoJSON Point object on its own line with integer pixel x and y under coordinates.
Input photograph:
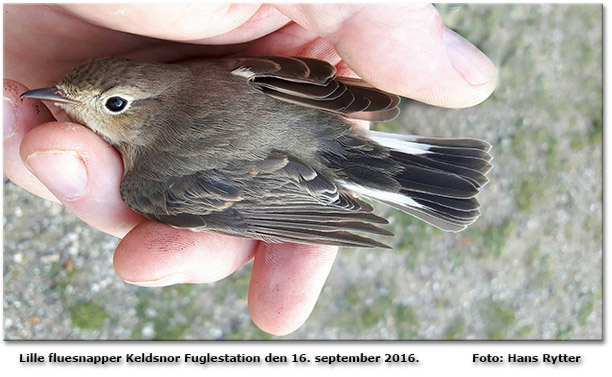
{"type": "Point", "coordinates": [298, 204]}
{"type": "Point", "coordinates": [312, 83]}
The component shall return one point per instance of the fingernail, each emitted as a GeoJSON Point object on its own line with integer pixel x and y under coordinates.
{"type": "Point", "coordinates": [470, 62]}
{"type": "Point", "coordinates": [10, 119]}
{"type": "Point", "coordinates": [62, 171]}
{"type": "Point", "coordinates": [176, 278]}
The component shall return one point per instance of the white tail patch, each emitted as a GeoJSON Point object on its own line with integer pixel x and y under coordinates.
{"type": "Point", "coordinates": [243, 72]}
{"type": "Point", "coordinates": [400, 143]}
{"type": "Point", "coordinates": [380, 195]}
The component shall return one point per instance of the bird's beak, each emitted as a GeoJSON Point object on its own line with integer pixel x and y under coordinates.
{"type": "Point", "coordinates": [53, 93]}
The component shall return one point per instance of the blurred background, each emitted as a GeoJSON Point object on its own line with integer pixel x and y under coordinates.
{"type": "Point", "coordinates": [529, 268]}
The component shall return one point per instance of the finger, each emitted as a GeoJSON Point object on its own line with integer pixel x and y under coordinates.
{"type": "Point", "coordinates": [285, 283]}
{"type": "Point", "coordinates": [185, 22]}
{"type": "Point", "coordinates": [155, 255]}
{"type": "Point", "coordinates": [41, 55]}
{"type": "Point", "coordinates": [20, 116]}
{"type": "Point", "coordinates": [265, 21]}
{"type": "Point", "coordinates": [406, 50]}
{"type": "Point", "coordinates": [82, 171]}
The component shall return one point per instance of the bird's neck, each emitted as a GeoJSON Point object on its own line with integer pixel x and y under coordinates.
{"type": "Point", "coordinates": [128, 154]}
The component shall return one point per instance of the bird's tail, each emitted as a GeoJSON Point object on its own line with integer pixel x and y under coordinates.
{"type": "Point", "coordinates": [437, 179]}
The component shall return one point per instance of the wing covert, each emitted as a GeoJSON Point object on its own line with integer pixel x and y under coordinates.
{"type": "Point", "coordinates": [277, 199]}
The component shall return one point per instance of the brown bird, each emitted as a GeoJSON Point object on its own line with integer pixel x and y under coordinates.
{"type": "Point", "coordinates": [264, 148]}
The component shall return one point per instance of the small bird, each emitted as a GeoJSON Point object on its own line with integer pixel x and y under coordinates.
{"type": "Point", "coordinates": [264, 147]}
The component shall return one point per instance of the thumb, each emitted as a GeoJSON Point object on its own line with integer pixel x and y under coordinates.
{"type": "Point", "coordinates": [403, 49]}
{"type": "Point", "coordinates": [82, 171]}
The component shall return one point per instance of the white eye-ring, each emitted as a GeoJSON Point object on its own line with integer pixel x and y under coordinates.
{"type": "Point", "coordinates": [117, 104]}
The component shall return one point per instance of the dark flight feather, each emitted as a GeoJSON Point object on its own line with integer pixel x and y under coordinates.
{"type": "Point", "coordinates": [312, 83]}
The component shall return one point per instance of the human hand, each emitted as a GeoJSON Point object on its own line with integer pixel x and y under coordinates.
{"type": "Point", "coordinates": [406, 50]}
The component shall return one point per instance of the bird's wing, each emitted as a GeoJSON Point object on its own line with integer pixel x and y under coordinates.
{"type": "Point", "coordinates": [178, 201]}
{"type": "Point", "coordinates": [313, 83]}
{"type": "Point", "coordinates": [277, 199]}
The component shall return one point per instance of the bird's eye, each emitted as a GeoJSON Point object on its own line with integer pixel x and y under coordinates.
{"type": "Point", "coordinates": [116, 104]}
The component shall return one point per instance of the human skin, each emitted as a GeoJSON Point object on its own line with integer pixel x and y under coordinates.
{"type": "Point", "coordinates": [406, 50]}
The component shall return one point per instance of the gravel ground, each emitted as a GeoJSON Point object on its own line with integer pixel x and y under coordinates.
{"type": "Point", "coordinates": [530, 268]}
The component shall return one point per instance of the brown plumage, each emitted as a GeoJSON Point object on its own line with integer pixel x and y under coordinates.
{"type": "Point", "coordinates": [261, 147]}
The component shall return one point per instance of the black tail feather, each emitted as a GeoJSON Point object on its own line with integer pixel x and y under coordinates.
{"type": "Point", "coordinates": [438, 178]}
